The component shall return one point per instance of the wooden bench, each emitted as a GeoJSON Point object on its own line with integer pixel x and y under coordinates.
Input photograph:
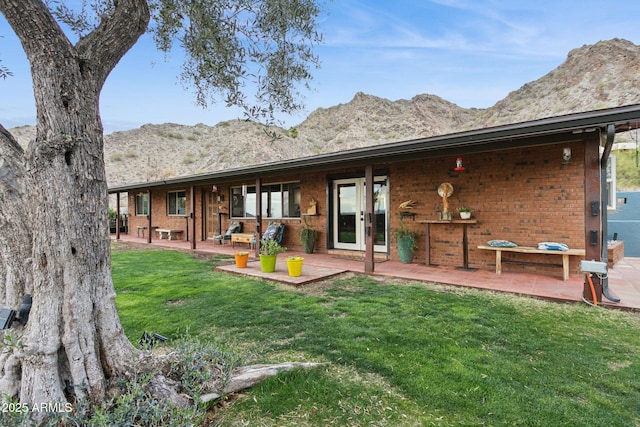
{"type": "Point", "coordinates": [530, 250]}
{"type": "Point", "coordinates": [141, 228]}
{"type": "Point", "coordinates": [243, 238]}
{"type": "Point", "coordinates": [169, 233]}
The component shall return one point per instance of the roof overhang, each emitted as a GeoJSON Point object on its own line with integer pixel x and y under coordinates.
{"type": "Point", "coordinates": [553, 130]}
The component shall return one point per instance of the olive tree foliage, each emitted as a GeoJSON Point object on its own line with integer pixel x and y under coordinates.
{"type": "Point", "coordinates": [54, 234]}
{"type": "Point", "coordinates": [233, 48]}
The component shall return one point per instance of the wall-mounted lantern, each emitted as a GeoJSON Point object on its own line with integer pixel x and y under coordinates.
{"type": "Point", "coordinates": [459, 167]}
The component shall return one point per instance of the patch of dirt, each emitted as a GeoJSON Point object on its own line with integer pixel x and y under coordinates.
{"type": "Point", "coordinates": [132, 246]}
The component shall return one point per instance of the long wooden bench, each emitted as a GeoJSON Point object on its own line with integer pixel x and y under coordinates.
{"type": "Point", "coordinates": [169, 233]}
{"type": "Point", "coordinates": [530, 250]}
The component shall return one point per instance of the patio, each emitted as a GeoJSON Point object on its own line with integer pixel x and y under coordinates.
{"type": "Point", "coordinates": [624, 279]}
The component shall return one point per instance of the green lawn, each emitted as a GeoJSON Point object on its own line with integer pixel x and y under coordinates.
{"type": "Point", "coordinates": [399, 353]}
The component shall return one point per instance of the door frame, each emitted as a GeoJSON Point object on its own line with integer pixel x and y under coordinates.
{"type": "Point", "coordinates": [332, 223]}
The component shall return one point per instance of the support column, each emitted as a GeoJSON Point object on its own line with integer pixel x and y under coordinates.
{"type": "Point", "coordinates": [592, 209]}
{"type": "Point", "coordinates": [192, 217]}
{"type": "Point", "coordinates": [369, 222]}
{"type": "Point", "coordinates": [149, 229]}
{"type": "Point", "coordinates": [258, 215]}
{"type": "Point", "coordinates": [118, 216]}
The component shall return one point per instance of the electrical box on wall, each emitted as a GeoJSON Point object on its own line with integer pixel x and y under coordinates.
{"type": "Point", "coordinates": [593, 267]}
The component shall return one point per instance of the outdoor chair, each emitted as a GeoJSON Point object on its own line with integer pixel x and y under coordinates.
{"type": "Point", "coordinates": [274, 231]}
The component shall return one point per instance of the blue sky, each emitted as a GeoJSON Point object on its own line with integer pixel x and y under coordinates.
{"type": "Point", "coordinates": [470, 52]}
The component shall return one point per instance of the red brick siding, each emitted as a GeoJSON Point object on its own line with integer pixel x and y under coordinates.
{"type": "Point", "coordinates": [526, 196]}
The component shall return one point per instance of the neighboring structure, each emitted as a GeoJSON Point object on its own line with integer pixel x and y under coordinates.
{"type": "Point", "coordinates": [526, 182]}
{"type": "Point", "coordinates": [624, 224]}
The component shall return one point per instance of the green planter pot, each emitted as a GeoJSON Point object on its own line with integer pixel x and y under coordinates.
{"type": "Point", "coordinates": [268, 263]}
{"type": "Point", "coordinates": [308, 239]}
{"type": "Point", "coordinates": [405, 250]}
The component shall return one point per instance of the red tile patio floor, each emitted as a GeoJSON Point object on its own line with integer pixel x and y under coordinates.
{"type": "Point", "coordinates": [624, 278]}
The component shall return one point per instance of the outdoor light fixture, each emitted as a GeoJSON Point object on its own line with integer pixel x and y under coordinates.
{"type": "Point", "coordinates": [566, 155]}
{"type": "Point", "coordinates": [459, 166]}
{"type": "Point", "coordinates": [214, 188]}
{"type": "Point", "coordinates": [7, 316]}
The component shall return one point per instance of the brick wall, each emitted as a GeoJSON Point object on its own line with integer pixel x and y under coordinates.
{"type": "Point", "coordinates": [525, 195]}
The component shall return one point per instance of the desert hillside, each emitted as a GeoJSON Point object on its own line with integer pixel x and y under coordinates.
{"type": "Point", "coordinates": [606, 74]}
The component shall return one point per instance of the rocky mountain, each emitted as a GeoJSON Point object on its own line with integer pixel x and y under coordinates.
{"type": "Point", "coordinates": [603, 75]}
{"type": "Point", "coordinates": [606, 74]}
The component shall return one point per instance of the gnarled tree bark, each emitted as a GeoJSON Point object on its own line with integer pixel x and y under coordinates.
{"type": "Point", "coordinates": [53, 208]}
{"type": "Point", "coordinates": [54, 235]}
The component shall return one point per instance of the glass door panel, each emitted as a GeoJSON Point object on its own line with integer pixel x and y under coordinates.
{"type": "Point", "coordinates": [347, 216]}
{"type": "Point", "coordinates": [380, 214]}
{"type": "Point", "coordinates": [350, 204]}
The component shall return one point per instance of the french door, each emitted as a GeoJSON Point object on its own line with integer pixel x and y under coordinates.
{"type": "Point", "coordinates": [349, 214]}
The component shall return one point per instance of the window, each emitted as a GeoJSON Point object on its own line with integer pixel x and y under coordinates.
{"type": "Point", "coordinates": [177, 203]}
{"type": "Point", "coordinates": [142, 204]}
{"type": "Point", "coordinates": [278, 201]}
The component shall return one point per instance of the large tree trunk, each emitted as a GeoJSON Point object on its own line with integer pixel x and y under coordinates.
{"type": "Point", "coordinates": [54, 214]}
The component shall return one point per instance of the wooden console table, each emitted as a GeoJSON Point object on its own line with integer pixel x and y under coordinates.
{"type": "Point", "coordinates": [465, 241]}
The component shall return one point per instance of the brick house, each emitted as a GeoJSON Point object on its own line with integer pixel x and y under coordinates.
{"type": "Point", "coordinates": [516, 178]}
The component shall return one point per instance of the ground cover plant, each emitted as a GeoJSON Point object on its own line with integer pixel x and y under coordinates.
{"type": "Point", "coordinates": [399, 353]}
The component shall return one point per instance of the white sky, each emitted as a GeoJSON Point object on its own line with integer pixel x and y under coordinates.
{"type": "Point", "coordinates": [470, 52]}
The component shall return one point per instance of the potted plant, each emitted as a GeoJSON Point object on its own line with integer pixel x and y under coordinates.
{"type": "Point", "coordinates": [294, 265]}
{"type": "Point", "coordinates": [269, 250]}
{"type": "Point", "coordinates": [307, 236]}
{"type": "Point", "coordinates": [406, 240]}
{"type": "Point", "coordinates": [241, 259]}
{"type": "Point", "coordinates": [465, 213]}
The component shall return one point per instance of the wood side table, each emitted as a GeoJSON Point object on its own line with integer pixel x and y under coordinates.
{"type": "Point", "coordinates": [465, 240]}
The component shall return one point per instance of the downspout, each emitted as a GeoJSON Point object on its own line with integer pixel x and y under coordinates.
{"type": "Point", "coordinates": [604, 198]}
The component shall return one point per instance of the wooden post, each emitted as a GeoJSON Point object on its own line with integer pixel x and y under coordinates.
{"type": "Point", "coordinates": [369, 222]}
{"type": "Point", "coordinates": [149, 229]}
{"type": "Point", "coordinates": [258, 234]}
{"type": "Point", "coordinates": [118, 216]}
{"type": "Point", "coordinates": [192, 217]}
{"type": "Point", "coordinates": [592, 209]}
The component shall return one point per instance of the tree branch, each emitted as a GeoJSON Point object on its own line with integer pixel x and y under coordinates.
{"type": "Point", "coordinates": [14, 263]}
{"type": "Point", "coordinates": [11, 166]}
{"type": "Point", "coordinates": [248, 376]}
{"type": "Point", "coordinates": [32, 22]}
{"type": "Point", "coordinates": [114, 37]}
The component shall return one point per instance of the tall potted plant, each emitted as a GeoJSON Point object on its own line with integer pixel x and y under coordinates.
{"type": "Point", "coordinates": [269, 250]}
{"type": "Point", "coordinates": [307, 236]}
{"type": "Point", "coordinates": [406, 240]}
